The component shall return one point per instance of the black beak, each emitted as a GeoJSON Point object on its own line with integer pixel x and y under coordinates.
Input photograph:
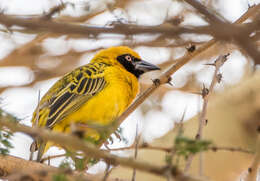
{"type": "Point", "coordinates": [145, 66]}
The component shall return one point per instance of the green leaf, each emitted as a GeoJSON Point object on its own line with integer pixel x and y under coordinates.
{"type": "Point", "coordinates": [59, 177]}
{"type": "Point", "coordinates": [185, 146]}
{"type": "Point", "coordinates": [79, 163]}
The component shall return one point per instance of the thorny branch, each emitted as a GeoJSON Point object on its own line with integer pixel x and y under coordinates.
{"type": "Point", "coordinates": [12, 167]}
{"type": "Point", "coordinates": [205, 95]}
{"type": "Point", "coordinates": [41, 25]}
{"type": "Point", "coordinates": [10, 61]}
{"type": "Point", "coordinates": [163, 79]}
{"type": "Point", "coordinates": [226, 31]}
{"type": "Point", "coordinates": [89, 149]}
{"type": "Point", "coordinates": [137, 138]}
{"type": "Point", "coordinates": [164, 149]}
{"type": "Point", "coordinates": [207, 92]}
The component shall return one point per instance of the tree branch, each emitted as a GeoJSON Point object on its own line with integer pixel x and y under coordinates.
{"type": "Point", "coordinates": [13, 168]}
{"type": "Point", "coordinates": [205, 95]}
{"type": "Point", "coordinates": [253, 169]}
{"type": "Point", "coordinates": [75, 143]}
{"type": "Point", "coordinates": [225, 31]}
{"type": "Point", "coordinates": [41, 25]}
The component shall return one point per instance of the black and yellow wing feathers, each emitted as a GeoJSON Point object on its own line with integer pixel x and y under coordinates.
{"type": "Point", "coordinates": [69, 93]}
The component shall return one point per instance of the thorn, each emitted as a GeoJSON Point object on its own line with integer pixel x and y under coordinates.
{"type": "Point", "coordinates": [197, 136]}
{"type": "Point", "coordinates": [258, 129]}
{"type": "Point", "coordinates": [191, 48]}
{"type": "Point", "coordinates": [145, 145]}
{"type": "Point", "coordinates": [204, 92]}
{"type": "Point", "coordinates": [249, 170]}
{"type": "Point", "coordinates": [219, 77]}
{"type": "Point", "coordinates": [118, 135]}
{"type": "Point", "coordinates": [226, 55]}
{"type": "Point", "coordinates": [106, 145]}
{"type": "Point", "coordinates": [206, 122]}
{"type": "Point", "coordinates": [210, 64]}
{"type": "Point", "coordinates": [214, 149]}
{"type": "Point", "coordinates": [169, 81]}
{"type": "Point", "coordinates": [111, 139]}
{"type": "Point", "coordinates": [156, 82]}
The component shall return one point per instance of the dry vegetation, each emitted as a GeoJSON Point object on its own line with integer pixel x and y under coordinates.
{"type": "Point", "coordinates": [230, 121]}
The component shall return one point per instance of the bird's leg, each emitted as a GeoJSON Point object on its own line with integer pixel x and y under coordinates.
{"type": "Point", "coordinates": [33, 148]}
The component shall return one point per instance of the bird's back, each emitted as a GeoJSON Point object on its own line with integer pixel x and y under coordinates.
{"type": "Point", "coordinates": [94, 95]}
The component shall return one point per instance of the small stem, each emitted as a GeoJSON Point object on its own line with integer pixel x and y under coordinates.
{"type": "Point", "coordinates": [253, 169]}
{"type": "Point", "coordinates": [136, 150]}
{"type": "Point", "coordinates": [202, 117]}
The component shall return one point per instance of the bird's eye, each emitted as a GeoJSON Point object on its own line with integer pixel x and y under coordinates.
{"type": "Point", "coordinates": [128, 58]}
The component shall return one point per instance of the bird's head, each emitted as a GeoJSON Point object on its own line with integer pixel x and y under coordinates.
{"type": "Point", "coordinates": [126, 58]}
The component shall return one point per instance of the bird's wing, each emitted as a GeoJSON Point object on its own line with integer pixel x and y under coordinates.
{"type": "Point", "coordinates": [71, 92]}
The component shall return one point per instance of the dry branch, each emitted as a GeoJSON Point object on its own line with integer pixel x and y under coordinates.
{"type": "Point", "coordinates": [202, 117]}
{"type": "Point", "coordinates": [75, 143]}
{"type": "Point", "coordinates": [14, 168]}
{"type": "Point", "coordinates": [14, 59]}
{"type": "Point", "coordinates": [164, 78]}
{"type": "Point", "coordinates": [40, 25]}
{"type": "Point", "coordinates": [225, 31]}
{"type": "Point", "coordinates": [253, 169]}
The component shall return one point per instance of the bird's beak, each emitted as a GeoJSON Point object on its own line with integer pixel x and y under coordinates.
{"type": "Point", "coordinates": [145, 66]}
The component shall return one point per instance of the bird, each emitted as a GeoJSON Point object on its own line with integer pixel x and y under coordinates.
{"type": "Point", "coordinates": [92, 96]}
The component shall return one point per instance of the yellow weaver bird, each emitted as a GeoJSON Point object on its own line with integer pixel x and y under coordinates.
{"type": "Point", "coordinates": [95, 94]}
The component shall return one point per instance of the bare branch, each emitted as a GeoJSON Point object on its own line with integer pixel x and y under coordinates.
{"type": "Point", "coordinates": [12, 167]}
{"type": "Point", "coordinates": [253, 169]}
{"type": "Point", "coordinates": [202, 118]}
{"type": "Point", "coordinates": [226, 31]}
{"type": "Point", "coordinates": [164, 78]}
{"type": "Point", "coordinates": [40, 25]}
{"type": "Point", "coordinates": [53, 11]}
{"type": "Point", "coordinates": [89, 149]}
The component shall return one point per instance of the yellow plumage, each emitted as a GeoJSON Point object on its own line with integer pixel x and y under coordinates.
{"type": "Point", "coordinates": [93, 95]}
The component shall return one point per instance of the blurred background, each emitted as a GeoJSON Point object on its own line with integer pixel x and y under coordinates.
{"type": "Point", "coordinates": [31, 61]}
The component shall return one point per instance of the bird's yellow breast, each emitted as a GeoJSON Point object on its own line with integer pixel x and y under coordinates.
{"type": "Point", "coordinates": [103, 108]}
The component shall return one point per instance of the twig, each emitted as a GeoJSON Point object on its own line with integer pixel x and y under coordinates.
{"type": "Point", "coordinates": [202, 117]}
{"type": "Point", "coordinates": [11, 166]}
{"type": "Point", "coordinates": [207, 92]}
{"type": "Point", "coordinates": [54, 10]}
{"type": "Point", "coordinates": [107, 172]}
{"type": "Point", "coordinates": [168, 149]}
{"type": "Point", "coordinates": [39, 25]}
{"type": "Point", "coordinates": [136, 150]}
{"type": "Point", "coordinates": [164, 78]}
{"type": "Point", "coordinates": [90, 150]}
{"type": "Point", "coordinates": [164, 149]}
{"type": "Point", "coordinates": [253, 169]}
{"type": "Point", "coordinates": [34, 144]}
{"type": "Point", "coordinates": [172, 150]}
{"type": "Point", "coordinates": [232, 149]}
{"type": "Point", "coordinates": [225, 31]}
{"type": "Point", "coordinates": [251, 11]}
